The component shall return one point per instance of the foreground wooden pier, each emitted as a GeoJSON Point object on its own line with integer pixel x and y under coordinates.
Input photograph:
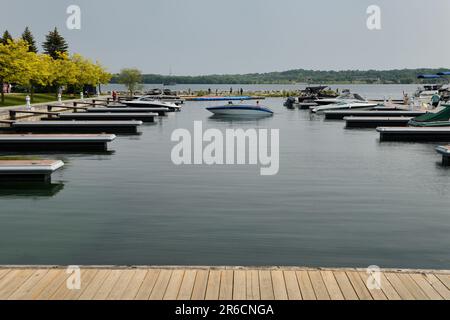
{"type": "Point", "coordinates": [223, 283]}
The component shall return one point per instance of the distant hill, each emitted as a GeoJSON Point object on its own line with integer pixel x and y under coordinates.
{"type": "Point", "coordinates": [403, 76]}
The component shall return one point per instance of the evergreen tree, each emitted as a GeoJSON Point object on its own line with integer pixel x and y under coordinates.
{"type": "Point", "coordinates": [6, 36]}
{"type": "Point", "coordinates": [28, 37]}
{"type": "Point", "coordinates": [54, 43]}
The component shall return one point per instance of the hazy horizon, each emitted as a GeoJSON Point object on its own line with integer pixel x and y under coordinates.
{"type": "Point", "coordinates": [207, 37]}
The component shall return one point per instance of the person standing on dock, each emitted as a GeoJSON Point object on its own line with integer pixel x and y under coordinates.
{"type": "Point", "coordinates": [231, 90]}
{"type": "Point", "coordinates": [435, 100]}
{"type": "Point", "coordinates": [241, 92]}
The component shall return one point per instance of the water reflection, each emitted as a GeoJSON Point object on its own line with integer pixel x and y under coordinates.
{"type": "Point", "coordinates": [259, 119]}
{"type": "Point", "coordinates": [29, 189]}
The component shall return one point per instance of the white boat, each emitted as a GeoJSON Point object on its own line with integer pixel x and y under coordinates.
{"type": "Point", "coordinates": [424, 94]}
{"type": "Point", "coordinates": [342, 98]}
{"type": "Point", "coordinates": [149, 102]}
{"type": "Point", "coordinates": [348, 104]}
{"type": "Point", "coordinates": [240, 110]}
{"type": "Point", "coordinates": [166, 98]}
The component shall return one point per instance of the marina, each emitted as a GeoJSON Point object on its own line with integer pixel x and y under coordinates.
{"type": "Point", "coordinates": [86, 172]}
{"type": "Point", "coordinates": [224, 160]}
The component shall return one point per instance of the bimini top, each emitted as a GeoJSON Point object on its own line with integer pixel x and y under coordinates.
{"type": "Point", "coordinates": [446, 73]}
{"type": "Point", "coordinates": [434, 76]}
{"type": "Point", "coordinates": [429, 76]}
{"type": "Point", "coordinates": [315, 89]}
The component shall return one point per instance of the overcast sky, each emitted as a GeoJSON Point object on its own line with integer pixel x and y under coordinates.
{"type": "Point", "coordinates": [191, 37]}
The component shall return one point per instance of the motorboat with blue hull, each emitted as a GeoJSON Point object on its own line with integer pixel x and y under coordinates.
{"type": "Point", "coordinates": [240, 110]}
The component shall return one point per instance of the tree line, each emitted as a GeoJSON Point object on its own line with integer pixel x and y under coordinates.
{"type": "Point", "coordinates": [21, 64]}
{"type": "Point", "coordinates": [403, 76]}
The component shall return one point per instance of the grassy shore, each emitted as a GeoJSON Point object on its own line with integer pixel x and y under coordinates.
{"type": "Point", "coordinates": [17, 99]}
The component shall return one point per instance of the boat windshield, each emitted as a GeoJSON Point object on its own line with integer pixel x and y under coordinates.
{"type": "Point", "coordinates": [146, 99]}
{"type": "Point", "coordinates": [353, 96]}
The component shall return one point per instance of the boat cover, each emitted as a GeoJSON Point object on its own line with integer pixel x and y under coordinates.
{"type": "Point", "coordinates": [429, 118]}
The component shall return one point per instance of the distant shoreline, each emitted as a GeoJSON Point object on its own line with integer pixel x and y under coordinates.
{"type": "Point", "coordinates": [299, 76]}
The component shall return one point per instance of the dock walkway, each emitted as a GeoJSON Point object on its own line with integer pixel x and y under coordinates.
{"type": "Point", "coordinates": [220, 283]}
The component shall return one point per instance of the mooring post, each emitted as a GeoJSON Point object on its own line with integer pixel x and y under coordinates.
{"type": "Point", "coordinates": [12, 114]}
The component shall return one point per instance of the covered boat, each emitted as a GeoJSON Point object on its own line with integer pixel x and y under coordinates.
{"type": "Point", "coordinates": [438, 118]}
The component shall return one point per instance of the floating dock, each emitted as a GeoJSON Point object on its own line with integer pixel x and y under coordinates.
{"type": "Point", "coordinates": [55, 142]}
{"type": "Point", "coordinates": [445, 152]}
{"type": "Point", "coordinates": [374, 122]}
{"type": "Point", "coordinates": [414, 134]}
{"type": "Point", "coordinates": [97, 116]}
{"type": "Point", "coordinates": [221, 283]}
{"type": "Point", "coordinates": [28, 170]}
{"type": "Point", "coordinates": [158, 111]}
{"type": "Point", "coordinates": [125, 127]}
{"type": "Point", "coordinates": [339, 115]}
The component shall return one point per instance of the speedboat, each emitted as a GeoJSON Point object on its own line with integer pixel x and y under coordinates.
{"type": "Point", "coordinates": [345, 104]}
{"type": "Point", "coordinates": [165, 98]}
{"type": "Point", "coordinates": [343, 97]}
{"type": "Point", "coordinates": [240, 110]}
{"type": "Point", "coordinates": [150, 102]}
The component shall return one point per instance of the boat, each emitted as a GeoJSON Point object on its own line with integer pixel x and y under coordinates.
{"type": "Point", "coordinates": [425, 93]}
{"type": "Point", "coordinates": [440, 117]}
{"type": "Point", "coordinates": [150, 102]}
{"type": "Point", "coordinates": [345, 104]}
{"type": "Point", "coordinates": [166, 98]}
{"type": "Point", "coordinates": [289, 103]}
{"type": "Point", "coordinates": [307, 96]}
{"type": "Point", "coordinates": [346, 95]}
{"type": "Point", "coordinates": [240, 110]}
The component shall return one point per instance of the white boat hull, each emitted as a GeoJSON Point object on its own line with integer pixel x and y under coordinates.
{"type": "Point", "coordinates": [150, 104]}
{"type": "Point", "coordinates": [357, 105]}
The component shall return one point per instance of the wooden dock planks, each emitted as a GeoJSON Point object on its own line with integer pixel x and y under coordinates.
{"type": "Point", "coordinates": [221, 283]}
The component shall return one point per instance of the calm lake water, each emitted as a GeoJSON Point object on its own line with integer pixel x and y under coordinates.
{"type": "Point", "coordinates": [341, 198]}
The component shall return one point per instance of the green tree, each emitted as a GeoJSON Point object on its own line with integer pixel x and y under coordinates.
{"type": "Point", "coordinates": [15, 64]}
{"type": "Point", "coordinates": [54, 44]}
{"type": "Point", "coordinates": [28, 37]}
{"type": "Point", "coordinates": [131, 78]}
{"type": "Point", "coordinates": [6, 36]}
{"type": "Point", "coordinates": [65, 71]}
